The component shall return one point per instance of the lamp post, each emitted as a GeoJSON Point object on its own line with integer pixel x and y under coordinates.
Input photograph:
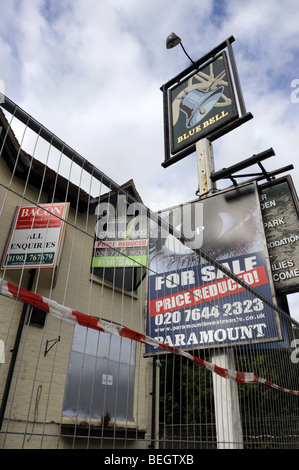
{"type": "Point", "coordinates": [173, 40]}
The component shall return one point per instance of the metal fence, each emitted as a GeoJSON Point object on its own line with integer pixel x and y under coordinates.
{"type": "Point", "coordinates": [110, 335]}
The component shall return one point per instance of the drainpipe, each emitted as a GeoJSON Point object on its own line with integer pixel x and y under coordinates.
{"type": "Point", "coordinates": [153, 393]}
{"type": "Point", "coordinates": [15, 353]}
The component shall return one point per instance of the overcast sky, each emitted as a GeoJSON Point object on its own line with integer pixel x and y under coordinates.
{"type": "Point", "coordinates": [91, 72]}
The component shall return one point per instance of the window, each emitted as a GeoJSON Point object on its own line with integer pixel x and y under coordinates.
{"type": "Point", "coordinates": [121, 240]}
{"type": "Point", "coordinates": [100, 377]}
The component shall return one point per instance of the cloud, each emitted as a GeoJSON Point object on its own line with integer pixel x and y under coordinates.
{"type": "Point", "coordinates": [91, 72]}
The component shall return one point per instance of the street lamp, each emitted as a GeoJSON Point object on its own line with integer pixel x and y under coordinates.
{"type": "Point", "coordinates": [173, 40]}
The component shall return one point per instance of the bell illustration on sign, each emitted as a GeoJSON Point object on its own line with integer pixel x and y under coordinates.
{"type": "Point", "coordinates": [202, 93]}
{"type": "Point", "coordinates": [197, 103]}
{"type": "Point", "coordinates": [202, 103]}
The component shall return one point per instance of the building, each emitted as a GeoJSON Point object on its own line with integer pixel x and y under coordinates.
{"type": "Point", "coordinates": [64, 385]}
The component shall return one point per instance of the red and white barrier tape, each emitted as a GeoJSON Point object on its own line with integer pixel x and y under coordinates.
{"type": "Point", "coordinates": [65, 313]}
{"type": "Point", "coordinates": [203, 437]}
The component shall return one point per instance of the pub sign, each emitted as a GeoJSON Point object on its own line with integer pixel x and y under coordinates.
{"type": "Point", "coordinates": [201, 104]}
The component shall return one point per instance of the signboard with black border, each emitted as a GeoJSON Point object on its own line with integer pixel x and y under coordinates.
{"type": "Point", "coordinates": [280, 211]}
{"type": "Point", "coordinates": [203, 101]}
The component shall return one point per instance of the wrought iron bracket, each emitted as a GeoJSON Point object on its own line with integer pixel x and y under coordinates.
{"type": "Point", "coordinates": [53, 341]}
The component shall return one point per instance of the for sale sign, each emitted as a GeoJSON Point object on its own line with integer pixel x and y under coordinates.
{"type": "Point", "coordinates": [36, 236]}
{"type": "Point", "coordinates": [192, 302]}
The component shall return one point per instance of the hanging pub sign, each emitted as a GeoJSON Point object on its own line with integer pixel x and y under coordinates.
{"type": "Point", "coordinates": [192, 304]}
{"type": "Point", "coordinates": [279, 205]}
{"type": "Point", "coordinates": [36, 236]}
{"type": "Point", "coordinates": [201, 103]}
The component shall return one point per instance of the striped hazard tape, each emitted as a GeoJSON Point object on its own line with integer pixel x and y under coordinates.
{"type": "Point", "coordinates": [65, 313]}
{"type": "Point", "coordinates": [202, 437]}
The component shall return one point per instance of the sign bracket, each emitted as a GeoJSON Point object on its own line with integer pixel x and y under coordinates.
{"type": "Point", "coordinates": [230, 172]}
{"type": "Point", "coordinates": [48, 348]}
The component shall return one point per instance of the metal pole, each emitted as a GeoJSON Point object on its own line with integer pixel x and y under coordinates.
{"type": "Point", "coordinates": [15, 353]}
{"type": "Point", "coordinates": [226, 402]}
{"type": "Point", "coordinates": [227, 412]}
{"type": "Point", "coordinates": [154, 410]}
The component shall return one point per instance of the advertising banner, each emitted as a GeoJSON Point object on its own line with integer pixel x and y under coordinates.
{"type": "Point", "coordinates": [124, 246]}
{"type": "Point", "coordinates": [123, 242]}
{"type": "Point", "coordinates": [36, 236]}
{"type": "Point", "coordinates": [279, 205]}
{"type": "Point", "coordinates": [120, 250]}
{"type": "Point", "coordinates": [192, 304]}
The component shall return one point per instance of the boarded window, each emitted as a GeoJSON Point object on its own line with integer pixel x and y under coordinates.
{"type": "Point", "coordinates": [100, 377]}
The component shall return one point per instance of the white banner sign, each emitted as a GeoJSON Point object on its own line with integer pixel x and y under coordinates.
{"type": "Point", "coordinates": [36, 236]}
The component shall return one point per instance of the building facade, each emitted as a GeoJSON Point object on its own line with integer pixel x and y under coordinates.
{"type": "Point", "coordinates": [64, 385]}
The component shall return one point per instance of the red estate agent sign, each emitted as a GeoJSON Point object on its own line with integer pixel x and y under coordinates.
{"type": "Point", "coordinates": [36, 236]}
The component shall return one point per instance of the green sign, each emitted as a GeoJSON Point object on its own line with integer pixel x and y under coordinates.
{"type": "Point", "coordinates": [119, 261]}
{"type": "Point", "coordinates": [119, 248]}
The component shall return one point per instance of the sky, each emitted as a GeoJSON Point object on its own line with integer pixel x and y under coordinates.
{"type": "Point", "coordinates": [91, 72]}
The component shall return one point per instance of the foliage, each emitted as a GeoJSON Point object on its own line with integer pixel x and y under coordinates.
{"type": "Point", "coordinates": [269, 417]}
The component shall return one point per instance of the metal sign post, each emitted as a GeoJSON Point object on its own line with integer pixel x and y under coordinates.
{"type": "Point", "coordinates": [226, 401]}
{"type": "Point", "coordinates": [227, 412]}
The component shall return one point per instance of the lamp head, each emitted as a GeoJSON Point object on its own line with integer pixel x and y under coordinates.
{"type": "Point", "coordinates": [172, 41]}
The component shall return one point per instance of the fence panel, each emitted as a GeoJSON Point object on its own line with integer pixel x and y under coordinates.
{"type": "Point", "coordinates": [119, 331]}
